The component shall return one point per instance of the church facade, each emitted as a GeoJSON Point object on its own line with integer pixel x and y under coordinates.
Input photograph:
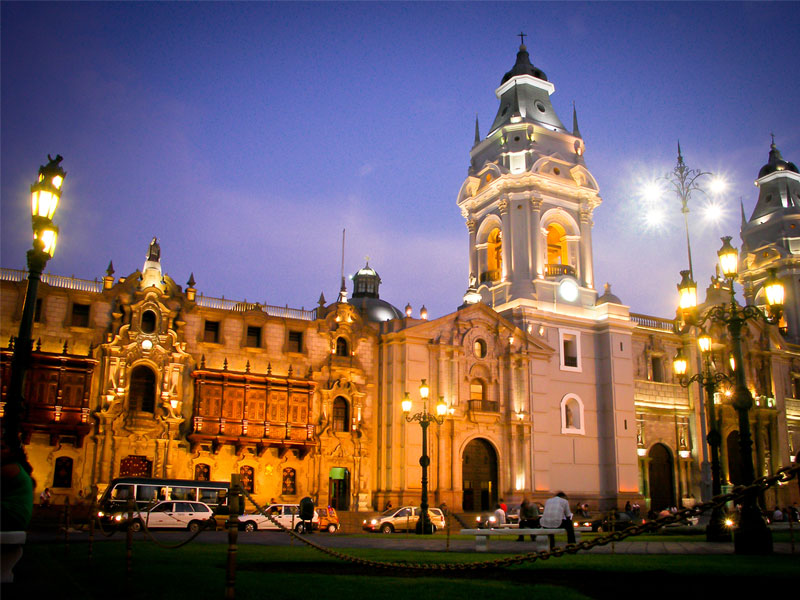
{"type": "Point", "coordinates": [549, 384]}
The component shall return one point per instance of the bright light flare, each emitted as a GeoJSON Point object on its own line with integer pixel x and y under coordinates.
{"type": "Point", "coordinates": [652, 191]}
{"type": "Point", "coordinates": [654, 217]}
{"type": "Point", "coordinates": [718, 185]}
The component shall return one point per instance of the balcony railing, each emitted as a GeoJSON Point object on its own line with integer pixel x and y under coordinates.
{"type": "Point", "coordinates": [59, 281]}
{"type": "Point", "coordinates": [491, 275]}
{"type": "Point", "coordinates": [244, 306]}
{"type": "Point", "coordinates": [555, 270]}
{"type": "Point", "coordinates": [484, 406]}
{"type": "Point", "coordinates": [658, 323]}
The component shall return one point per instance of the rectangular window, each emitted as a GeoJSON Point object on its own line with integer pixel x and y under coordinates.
{"type": "Point", "coordinates": [37, 312]}
{"type": "Point", "coordinates": [295, 341]}
{"type": "Point", "coordinates": [658, 369]}
{"type": "Point", "coordinates": [211, 332]}
{"type": "Point", "coordinates": [253, 337]}
{"type": "Point", "coordinates": [516, 162]}
{"type": "Point", "coordinates": [80, 315]}
{"type": "Point", "coordinates": [570, 350]}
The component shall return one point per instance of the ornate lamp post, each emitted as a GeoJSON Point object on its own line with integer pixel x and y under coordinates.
{"type": "Point", "coordinates": [716, 530]}
{"type": "Point", "coordinates": [751, 536]}
{"type": "Point", "coordinates": [424, 418]}
{"type": "Point", "coordinates": [45, 194]}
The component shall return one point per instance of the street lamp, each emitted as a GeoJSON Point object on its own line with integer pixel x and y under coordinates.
{"type": "Point", "coordinates": [424, 418]}
{"type": "Point", "coordinates": [716, 531]}
{"type": "Point", "coordinates": [751, 535]}
{"type": "Point", "coordinates": [45, 194]}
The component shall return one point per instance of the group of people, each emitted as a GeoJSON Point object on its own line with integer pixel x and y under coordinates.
{"type": "Point", "coordinates": [790, 513]}
{"type": "Point", "coordinates": [556, 515]}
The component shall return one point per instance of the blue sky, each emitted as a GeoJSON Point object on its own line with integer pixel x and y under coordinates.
{"type": "Point", "coordinates": [246, 136]}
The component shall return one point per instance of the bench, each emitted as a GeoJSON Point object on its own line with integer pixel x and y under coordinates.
{"type": "Point", "coordinates": [11, 543]}
{"type": "Point", "coordinates": [545, 538]}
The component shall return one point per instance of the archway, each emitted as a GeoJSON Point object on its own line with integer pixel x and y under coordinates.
{"type": "Point", "coordinates": [660, 475]}
{"type": "Point", "coordinates": [339, 488]}
{"type": "Point", "coordinates": [479, 476]}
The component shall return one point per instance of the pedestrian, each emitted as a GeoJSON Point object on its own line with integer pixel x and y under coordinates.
{"type": "Point", "coordinates": [44, 497]}
{"type": "Point", "coordinates": [443, 508]}
{"type": "Point", "coordinates": [528, 517]}
{"type": "Point", "coordinates": [499, 515]}
{"type": "Point", "coordinates": [16, 501]}
{"type": "Point", "coordinates": [387, 506]}
{"type": "Point", "coordinates": [504, 506]}
{"type": "Point", "coordinates": [777, 515]}
{"type": "Point", "coordinates": [557, 516]}
{"type": "Point", "coordinates": [628, 508]}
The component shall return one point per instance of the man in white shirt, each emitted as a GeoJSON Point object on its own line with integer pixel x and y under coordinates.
{"type": "Point", "coordinates": [557, 515]}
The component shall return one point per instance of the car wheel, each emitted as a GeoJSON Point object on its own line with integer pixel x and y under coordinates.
{"type": "Point", "coordinates": [300, 528]}
{"type": "Point", "coordinates": [194, 526]}
{"type": "Point", "coordinates": [386, 528]}
{"type": "Point", "coordinates": [250, 526]}
{"type": "Point", "coordinates": [135, 526]}
{"type": "Point", "coordinates": [331, 528]}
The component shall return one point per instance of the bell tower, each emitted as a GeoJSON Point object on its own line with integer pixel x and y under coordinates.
{"type": "Point", "coordinates": [771, 238]}
{"type": "Point", "coordinates": [528, 201]}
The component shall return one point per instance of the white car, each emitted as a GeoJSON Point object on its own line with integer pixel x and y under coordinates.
{"type": "Point", "coordinates": [287, 515]}
{"type": "Point", "coordinates": [173, 514]}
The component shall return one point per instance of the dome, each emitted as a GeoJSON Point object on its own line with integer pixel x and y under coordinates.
{"type": "Point", "coordinates": [375, 309]}
{"type": "Point", "coordinates": [776, 163]}
{"type": "Point", "coordinates": [523, 66]}
{"type": "Point", "coordinates": [608, 297]}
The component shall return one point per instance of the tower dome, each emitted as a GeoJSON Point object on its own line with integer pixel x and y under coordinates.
{"type": "Point", "coordinates": [366, 298]}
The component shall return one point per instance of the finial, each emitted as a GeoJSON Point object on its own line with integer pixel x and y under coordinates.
{"type": "Point", "coordinates": [522, 37]}
{"type": "Point", "coordinates": [11, 343]}
{"type": "Point", "coordinates": [247, 367]}
{"type": "Point", "coordinates": [39, 345]}
{"type": "Point", "coordinates": [110, 269]}
{"type": "Point", "coordinates": [91, 349]}
{"type": "Point", "coordinates": [366, 258]}
{"type": "Point", "coordinates": [269, 368]}
{"type": "Point", "coordinates": [64, 349]}
{"type": "Point", "coordinates": [203, 361]}
{"type": "Point", "coordinates": [773, 139]}
{"type": "Point", "coordinates": [321, 300]}
{"type": "Point", "coordinates": [310, 372]}
{"type": "Point", "coordinates": [680, 156]}
{"type": "Point", "coordinates": [741, 204]}
{"type": "Point", "coordinates": [191, 281]}
{"type": "Point", "coordinates": [290, 371]}
{"type": "Point", "coordinates": [477, 131]}
{"type": "Point", "coordinates": [575, 131]}
{"type": "Point", "coordinates": [225, 364]}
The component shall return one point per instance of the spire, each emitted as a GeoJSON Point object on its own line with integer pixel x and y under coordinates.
{"type": "Point", "coordinates": [741, 204]}
{"type": "Point", "coordinates": [575, 131]}
{"type": "Point", "coordinates": [321, 300]}
{"type": "Point", "coordinates": [680, 156]}
{"type": "Point", "coordinates": [477, 132]}
{"type": "Point", "coordinates": [191, 281]}
{"type": "Point", "coordinates": [110, 269]}
{"type": "Point", "coordinates": [343, 288]}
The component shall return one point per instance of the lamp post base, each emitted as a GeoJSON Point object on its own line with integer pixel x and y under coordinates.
{"type": "Point", "coordinates": [424, 527]}
{"type": "Point", "coordinates": [716, 531]}
{"type": "Point", "coordinates": [752, 536]}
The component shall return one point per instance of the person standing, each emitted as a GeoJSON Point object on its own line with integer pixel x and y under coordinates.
{"type": "Point", "coordinates": [558, 516]}
{"type": "Point", "coordinates": [499, 516]}
{"type": "Point", "coordinates": [528, 517]}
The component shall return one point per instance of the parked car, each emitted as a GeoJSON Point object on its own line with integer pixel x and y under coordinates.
{"type": "Point", "coordinates": [170, 515]}
{"type": "Point", "coordinates": [620, 521]}
{"type": "Point", "coordinates": [287, 515]}
{"type": "Point", "coordinates": [403, 519]}
{"type": "Point", "coordinates": [328, 519]}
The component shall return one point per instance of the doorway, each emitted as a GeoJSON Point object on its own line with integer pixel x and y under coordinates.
{"type": "Point", "coordinates": [479, 476]}
{"type": "Point", "coordinates": [660, 476]}
{"type": "Point", "coordinates": [339, 488]}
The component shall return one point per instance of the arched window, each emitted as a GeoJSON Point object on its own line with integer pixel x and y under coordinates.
{"type": "Point", "coordinates": [479, 348]}
{"type": "Point", "coordinates": [148, 321]}
{"type": "Point", "coordinates": [247, 475]}
{"type": "Point", "coordinates": [341, 347]}
{"type": "Point", "coordinates": [572, 415]}
{"type": "Point", "coordinates": [494, 255]}
{"type": "Point", "coordinates": [143, 390]}
{"type": "Point", "coordinates": [289, 487]}
{"type": "Point", "coordinates": [341, 415]}
{"type": "Point", "coordinates": [202, 472]}
{"type": "Point", "coordinates": [556, 245]}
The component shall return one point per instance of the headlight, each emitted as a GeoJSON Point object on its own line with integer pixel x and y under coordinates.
{"type": "Point", "coordinates": [100, 514]}
{"type": "Point", "coordinates": [118, 518]}
{"type": "Point", "coordinates": [478, 519]}
{"type": "Point", "coordinates": [373, 522]}
{"type": "Point", "coordinates": [492, 519]}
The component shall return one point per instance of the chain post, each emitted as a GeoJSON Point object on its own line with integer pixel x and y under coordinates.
{"type": "Point", "coordinates": [233, 535]}
{"type": "Point", "coordinates": [613, 528]}
{"type": "Point", "coordinates": [129, 542]}
{"type": "Point", "coordinates": [92, 515]}
{"type": "Point", "coordinates": [791, 530]}
{"type": "Point", "coordinates": [66, 524]}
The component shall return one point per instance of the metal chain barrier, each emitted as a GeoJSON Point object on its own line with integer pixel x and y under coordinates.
{"type": "Point", "coordinates": [783, 475]}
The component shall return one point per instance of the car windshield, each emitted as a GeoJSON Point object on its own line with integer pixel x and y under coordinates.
{"type": "Point", "coordinates": [388, 513]}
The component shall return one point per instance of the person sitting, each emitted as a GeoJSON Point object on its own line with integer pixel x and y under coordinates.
{"type": "Point", "coordinates": [528, 517]}
{"type": "Point", "coordinates": [558, 516]}
{"type": "Point", "coordinates": [499, 516]}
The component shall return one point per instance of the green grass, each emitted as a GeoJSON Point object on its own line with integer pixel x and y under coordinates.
{"type": "Point", "coordinates": [198, 571]}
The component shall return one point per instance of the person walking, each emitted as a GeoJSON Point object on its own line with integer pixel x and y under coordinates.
{"type": "Point", "coordinates": [558, 516]}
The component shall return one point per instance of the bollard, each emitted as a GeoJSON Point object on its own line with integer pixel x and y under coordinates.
{"type": "Point", "coordinates": [791, 531]}
{"type": "Point", "coordinates": [233, 535]}
{"type": "Point", "coordinates": [447, 545]}
{"type": "Point", "coordinates": [66, 525]}
{"type": "Point", "coordinates": [613, 528]}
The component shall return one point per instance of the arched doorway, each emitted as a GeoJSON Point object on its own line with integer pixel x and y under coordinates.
{"type": "Point", "coordinates": [735, 475]}
{"type": "Point", "coordinates": [339, 488]}
{"type": "Point", "coordinates": [660, 476]}
{"type": "Point", "coordinates": [479, 476]}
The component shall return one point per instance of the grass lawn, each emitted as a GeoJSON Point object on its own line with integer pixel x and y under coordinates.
{"type": "Point", "coordinates": [287, 573]}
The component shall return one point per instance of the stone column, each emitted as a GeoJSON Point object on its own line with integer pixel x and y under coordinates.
{"type": "Point", "coordinates": [586, 271]}
{"type": "Point", "coordinates": [535, 246]}
{"type": "Point", "coordinates": [473, 251]}
{"type": "Point", "coordinates": [508, 257]}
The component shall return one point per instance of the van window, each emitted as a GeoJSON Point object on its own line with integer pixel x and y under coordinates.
{"type": "Point", "coordinates": [146, 493]}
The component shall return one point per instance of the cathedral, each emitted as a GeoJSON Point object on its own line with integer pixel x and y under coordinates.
{"type": "Point", "coordinates": [549, 383]}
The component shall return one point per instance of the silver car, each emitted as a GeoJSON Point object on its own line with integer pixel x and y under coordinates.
{"type": "Point", "coordinates": [170, 514]}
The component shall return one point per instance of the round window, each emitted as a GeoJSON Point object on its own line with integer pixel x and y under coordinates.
{"type": "Point", "coordinates": [480, 348]}
{"type": "Point", "coordinates": [540, 106]}
{"type": "Point", "coordinates": [557, 171]}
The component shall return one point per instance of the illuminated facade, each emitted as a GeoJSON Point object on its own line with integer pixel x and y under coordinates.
{"type": "Point", "coordinates": [549, 384]}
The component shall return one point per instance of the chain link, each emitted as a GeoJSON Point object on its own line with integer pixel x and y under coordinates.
{"type": "Point", "coordinates": [783, 475]}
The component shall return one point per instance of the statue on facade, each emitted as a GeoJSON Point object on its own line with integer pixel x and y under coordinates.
{"type": "Point", "coordinates": [154, 253]}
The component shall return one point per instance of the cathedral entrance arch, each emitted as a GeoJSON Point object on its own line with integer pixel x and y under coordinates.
{"type": "Point", "coordinates": [661, 478]}
{"type": "Point", "coordinates": [479, 476]}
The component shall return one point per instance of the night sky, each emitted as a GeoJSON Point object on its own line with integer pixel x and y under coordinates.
{"type": "Point", "coordinates": [246, 136]}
